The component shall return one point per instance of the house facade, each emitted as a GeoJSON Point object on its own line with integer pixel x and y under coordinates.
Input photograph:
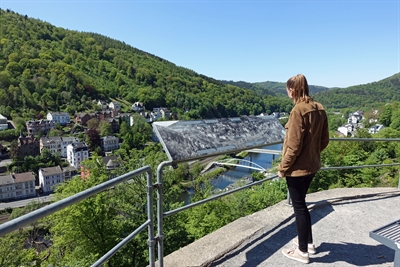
{"type": "Point", "coordinates": [159, 113]}
{"type": "Point", "coordinates": [138, 106]}
{"type": "Point", "coordinates": [109, 143]}
{"type": "Point", "coordinates": [57, 144]}
{"type": "Point", "coordinates": [28, 146]}
{"type": "Point", "coordinates": [82, 118]}
{"type": "Point", "coordinates": [52, 143]}
{"type": "Point", "coordinates": [17, 185]}
{"type": "Point", "coordinates": [7, 187]}
{"type": "Point", "coordinates": [115, 105]}
{"type": "Point", "coordinates": [126, 117]}
{"type": "Point", "coordinates": [376, 128]}
{"type": "Point", "coordinates": [65, 141]}
{"type": "Point", "coordinates": [35, 126]}
{"type": "Point", "coordinates": [76, 153]}
{"type": "Point", "coordinates": [62, 118]}
{"type": "Point", "coordinates": [102, 104]}
{"type": "Point", "coordinates": [355, 117]}
{"type": "Point", "coordinates": [49, 178]}
{"type": "Point", "coordinates": [69, 172]}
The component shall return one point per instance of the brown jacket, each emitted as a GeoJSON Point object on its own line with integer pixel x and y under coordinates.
{"type": "Point", "coordinates": [306, 136]}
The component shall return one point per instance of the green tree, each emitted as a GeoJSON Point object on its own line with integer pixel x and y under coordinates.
{"type": "Point", "coordinates": [105, 129]}
{"type": "Point", "coordinates": [93, 123]}
{"type": "Point", "coordinates": [92, 138]}
{"type": "Point", "coordinates": [395, 121]}
{"type": "Point", "coordinates": [14, 253]}
{"type": "Point", "coordinates": [141, 130]}
{"type": "Point", "coordinates": [386, 117]}
{"type": "Point", "coordinates": [85, 231]}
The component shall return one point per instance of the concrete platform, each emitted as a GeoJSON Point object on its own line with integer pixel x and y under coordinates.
{"type": "Point", "coordinates": [342, 220]}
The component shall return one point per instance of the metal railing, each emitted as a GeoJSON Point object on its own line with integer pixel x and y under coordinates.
{"type": "Point", "coordinates": [158, 186]}
{"type": "Point", "coordinates": [33, 216]}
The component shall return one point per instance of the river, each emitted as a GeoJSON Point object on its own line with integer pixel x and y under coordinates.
{"type": "Point", "coordinates": [232, 176]}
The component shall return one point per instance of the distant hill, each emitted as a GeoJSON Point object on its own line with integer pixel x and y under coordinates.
{"type": "Point", "coordinates": [358, 96]}
{"type": "Point", "coordinates": [364, 95]}
{"type": "Point", "coordinates": [272, 88]}
{"type": "Point", "coordinates": [264, 90]}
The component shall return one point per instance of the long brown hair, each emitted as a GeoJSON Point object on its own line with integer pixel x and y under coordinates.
{"type": "Point", "coordinates": [300, 89]}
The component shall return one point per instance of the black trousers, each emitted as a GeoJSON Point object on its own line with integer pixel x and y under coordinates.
{"type": "Point", "coordinates": [298, 187]}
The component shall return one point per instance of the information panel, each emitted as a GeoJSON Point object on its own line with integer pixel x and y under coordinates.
{"type": "Point", "coordinates": [185, 140]}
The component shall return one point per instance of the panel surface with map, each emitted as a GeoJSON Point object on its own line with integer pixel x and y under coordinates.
{"type": "Point", "coordinates": [185, 140]}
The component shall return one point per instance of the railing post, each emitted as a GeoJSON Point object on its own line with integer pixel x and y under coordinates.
{"type": "Point", "coordinates": [160, 212]}
{"type": "Point", "coordinates": [150, 216]}
{"type": "Point", "coordinates": [398, 186]}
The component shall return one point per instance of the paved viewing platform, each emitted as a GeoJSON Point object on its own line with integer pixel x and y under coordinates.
{"type": "Point", "coordinates": [341, 218]}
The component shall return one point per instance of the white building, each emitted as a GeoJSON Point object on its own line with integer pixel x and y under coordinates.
{"type": "Point", "coordinates": [376, 128]}
{"type": "Point", "coordinates": [65, 141]}
{"type": "Point", "coordinates": [138, 106]}
{"type": "Point", "coordinates": [109, 143]}
{"type": "Point", "coordinates": [52, 143]}
{"type": "Point", "coordinates": [3, 123]}
{"type": "Point", "coordinates": [56, 144]}
{"type": "Point", "coordinates": [355, 117]}
{"type": "Point", "coordinates": [102, 104]}
{"type": "Point", "coordinates": [76, 153]}
{"type": "Point", "coordinates": [17, 185]}
{"type": "Point", "coordinates": [49, 178]}
{"type": "Point", "coordinates": [24, 184]}
{"type": "Point", "coordinates": [62, 118]}
{"type": "Point", "coordinates": [115, 105]}
{"type": "Point", "coordinates": [159, 113]}
{"type": "Point", "coordinates": [7, 187]}
{"type": "Point", "coordinates": [346, 129]}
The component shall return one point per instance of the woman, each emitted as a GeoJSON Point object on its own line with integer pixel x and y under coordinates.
{"type": "Point", "coordinates": [306, 136]}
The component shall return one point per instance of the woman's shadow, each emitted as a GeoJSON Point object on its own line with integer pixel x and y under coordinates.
{"type": "Point", "coordinates": [357, 254]}
{"type": "Point", "coordinates": [265, 245]}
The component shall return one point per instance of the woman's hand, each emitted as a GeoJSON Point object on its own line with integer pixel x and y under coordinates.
{"type": "Point", "coordinates": [281, 174]}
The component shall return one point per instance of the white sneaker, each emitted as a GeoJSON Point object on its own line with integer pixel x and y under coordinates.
{"type": "Point", "coordinates": [294, 254]}
{"type": "Point", "coordinates": [310, 247]}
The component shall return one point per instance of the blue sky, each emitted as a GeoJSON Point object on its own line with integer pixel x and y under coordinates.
{"type": "Point", "coordinates": [335, 43]}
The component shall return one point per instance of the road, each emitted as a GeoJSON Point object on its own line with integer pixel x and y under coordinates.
{"type": "Point", "coordinates": [24, 202]}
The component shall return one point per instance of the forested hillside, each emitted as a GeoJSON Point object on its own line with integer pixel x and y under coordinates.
{"type": "Point", "coordinates": [280, 87]}
{"type": "Point", "coordinates": [360, 96]}
{"type": "Point", "coordinates": [47, 68]}
{"type": "Point", "coordinates": [264, 90]}
{"type": "Point", "coordinates": [272, 88]}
